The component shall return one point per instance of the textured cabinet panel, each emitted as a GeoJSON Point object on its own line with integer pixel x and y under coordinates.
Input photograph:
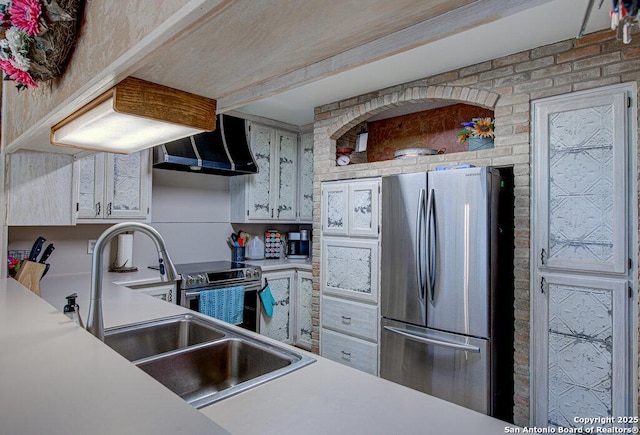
{"type": "Point", "coordinates": [287, 175]}
{"type": "Point", "coordinates": [305, 197]}
{"type": "Point", "coordinates": [260, 195]}
{"type": "Point", "coordinates": [126, 183]}
{"type": "Point", "coordinates": [304, 290]}
{"type": "Point", "coordinates": [278, 326]}
{"type": "Point", "coordinates": [363, 208]}
{"type": "Point", "coordinates": [582, 184]}
{"type": "Point", "coordinates": [335, 203]}
{"type": "Point", "coordinates": [350, 268]}
{"type": "Point", "coordinates": [352, 318]}
{"type": "Point", "coordinates": [350, 351]}
{"type": "Point", "coordinates": [583, 348]}
{"type": "Point", "coordinates": [129, 181]}
{"type": "Point", "coordinates": [39, 189]}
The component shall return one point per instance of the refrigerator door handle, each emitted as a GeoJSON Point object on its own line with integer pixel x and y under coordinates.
{"type": "Point", "coordinates": [426, 340]}
{"type": "Point", "coordinates": [420, 225]}
{"type": "Point", "coordinates": [431, 246]}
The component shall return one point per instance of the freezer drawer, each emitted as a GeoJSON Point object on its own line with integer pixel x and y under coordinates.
{"type": "Point", "coordinates": [444, 365]}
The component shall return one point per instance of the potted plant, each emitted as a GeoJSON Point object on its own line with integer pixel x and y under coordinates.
{"type": "Point", "coordinates": [479, 132]}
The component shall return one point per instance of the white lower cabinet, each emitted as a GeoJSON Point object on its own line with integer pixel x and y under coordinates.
{"type": "Point", "coordinates": [351, 351]}
{"type": "Point", "coordinates": [350, 333]}
{"type": "Point", "coordinates": [291, 319]}
{"type": "Point", "coordinates": [279, 325]}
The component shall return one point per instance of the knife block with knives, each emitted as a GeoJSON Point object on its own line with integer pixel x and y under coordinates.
{"type": "Point", "coordinates": [32, 270]}
{"type": "Point", "coordinates": [29, 275]}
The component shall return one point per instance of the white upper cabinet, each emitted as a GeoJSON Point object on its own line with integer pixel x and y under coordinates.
{"type": "Point", "coordinates": [114, 187]}
{"type": "Point", "coordinates": [581, 183]}
{"type": "Point", "coordinates": [350, 208]}
{"type": "Point", "coordinates": [281, 186]}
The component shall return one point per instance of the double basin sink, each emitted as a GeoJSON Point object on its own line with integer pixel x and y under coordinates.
{"type": "Point", "coordinates": [200, 360]}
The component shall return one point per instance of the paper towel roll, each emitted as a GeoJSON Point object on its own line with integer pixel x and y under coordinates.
{"type": "Point", "coordinates": [125, 250]}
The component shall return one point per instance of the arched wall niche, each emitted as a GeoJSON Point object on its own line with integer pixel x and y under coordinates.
{"type": "Point", "coordinates": [418, 117]}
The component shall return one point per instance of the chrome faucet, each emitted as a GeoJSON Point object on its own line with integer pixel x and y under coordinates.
{"type": "Point", "coordinates": [95, 323]}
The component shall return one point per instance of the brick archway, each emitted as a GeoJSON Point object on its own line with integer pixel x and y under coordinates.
{"type": "Point", "coordinates": [416, 94]}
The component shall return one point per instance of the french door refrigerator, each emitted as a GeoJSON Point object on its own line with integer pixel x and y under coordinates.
{"type": "Point", "coordinates": [439, 238]}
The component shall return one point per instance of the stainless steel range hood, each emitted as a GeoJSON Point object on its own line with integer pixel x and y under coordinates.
{"type": "Point", "coordinates": [224, 151]}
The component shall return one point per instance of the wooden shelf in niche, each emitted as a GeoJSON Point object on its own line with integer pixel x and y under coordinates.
{"type": "Point", "coordinates": [434, 128]}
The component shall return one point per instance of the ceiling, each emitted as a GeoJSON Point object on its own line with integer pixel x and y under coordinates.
{"type": "Point", "coordinates": [278, 60]}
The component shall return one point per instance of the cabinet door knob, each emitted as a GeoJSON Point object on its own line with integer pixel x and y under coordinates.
{"type": "Point", "coordinates": [98, 209]}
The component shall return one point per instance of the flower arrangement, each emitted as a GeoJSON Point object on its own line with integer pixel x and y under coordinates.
{"type": "Point", "coordinates": [35, 38]}
{"type": "Point", "coordinates": [478, 127]}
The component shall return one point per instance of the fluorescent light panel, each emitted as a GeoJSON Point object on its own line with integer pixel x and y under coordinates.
{"type": "Point", "coordinates": [104, 129]}
{"type": "Point", "coordinates": [145, 115]}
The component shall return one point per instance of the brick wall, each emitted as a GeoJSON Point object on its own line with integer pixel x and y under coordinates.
{"type": "Point", "coordinates": [506, 85]}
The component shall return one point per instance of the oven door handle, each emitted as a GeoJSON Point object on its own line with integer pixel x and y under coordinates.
{"type": "Point", "coordinates": [195, 294]}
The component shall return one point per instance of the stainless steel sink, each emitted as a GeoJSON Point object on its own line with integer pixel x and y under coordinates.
{"type": "Point", "coordinates": [202, 361]}
{"type": "Point", "coordinates": [143, 340]}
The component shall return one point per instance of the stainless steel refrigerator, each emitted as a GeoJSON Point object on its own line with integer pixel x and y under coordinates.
{"type": "Point", "coordinates": [438, 284]}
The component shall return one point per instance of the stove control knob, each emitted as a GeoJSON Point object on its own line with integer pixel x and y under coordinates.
{"type": "Point", "coordinates": [249, 273]}
{"type": "Point", "coordinates": [189, 280]}
{"type": "Point", "coordinates": [256, 273]}
{"type": "Point", "coordinates": [202, 279]}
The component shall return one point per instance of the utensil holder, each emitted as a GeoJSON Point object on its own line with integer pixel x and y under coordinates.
{"type": "Point", "coordinates": [237, 254]}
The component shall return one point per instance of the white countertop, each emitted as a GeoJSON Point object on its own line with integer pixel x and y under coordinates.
{"type": "Point", "coordinates": [57, 378]}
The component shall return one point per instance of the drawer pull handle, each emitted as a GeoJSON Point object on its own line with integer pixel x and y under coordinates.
{"type": "Point", "coordinates": [346, 319]}
{"type": "Point", "coordinates": [346, 355]}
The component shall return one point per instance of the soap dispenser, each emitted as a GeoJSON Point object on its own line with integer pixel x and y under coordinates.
{"type": "Point", "coordinates": [72, 309]}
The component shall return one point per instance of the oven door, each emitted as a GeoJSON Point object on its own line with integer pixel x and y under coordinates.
{"type": "Point", "coordinates": [250, 316]}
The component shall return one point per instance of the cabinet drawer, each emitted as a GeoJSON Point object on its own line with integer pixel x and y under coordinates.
{"type": "Point", "coordinates": [350, 317]}
{"type": "Point", "coordinates": [351, 351]}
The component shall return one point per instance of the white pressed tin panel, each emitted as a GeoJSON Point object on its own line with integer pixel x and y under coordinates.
{"type": "Point", "coordinates": [363, 208]}
{"type": "Point", "coordinates": [335, 199]}
{"type": "Point", "coordinates": [350, 268]}
{"type": "Point", "coordinates": [304, 291]}
{"type": "Point", "coordinates": [306, 177]}
{"type": "Point", "coordinates": [580, 349]}
{"type": "Point", "coordinates": [287, 175]}
{"type": "Point", "coordinates": [581, 185]}
{"type": "Point", "coordinates": [278, 326]}
{"type": "Point", "coordinates": [259, 198]}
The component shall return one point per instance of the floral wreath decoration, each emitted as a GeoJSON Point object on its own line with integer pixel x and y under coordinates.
{"type": "Point", "coordinates": [36, 38]}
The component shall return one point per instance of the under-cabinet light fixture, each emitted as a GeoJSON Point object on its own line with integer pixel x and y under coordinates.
{"type": "Point", "coordinates": [134, 115]}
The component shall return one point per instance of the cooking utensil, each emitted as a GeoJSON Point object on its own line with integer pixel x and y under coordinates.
{"type": "Point", "coordinates": [47, 253]}
{"type": "Point", "coordinates": [35, 250]}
